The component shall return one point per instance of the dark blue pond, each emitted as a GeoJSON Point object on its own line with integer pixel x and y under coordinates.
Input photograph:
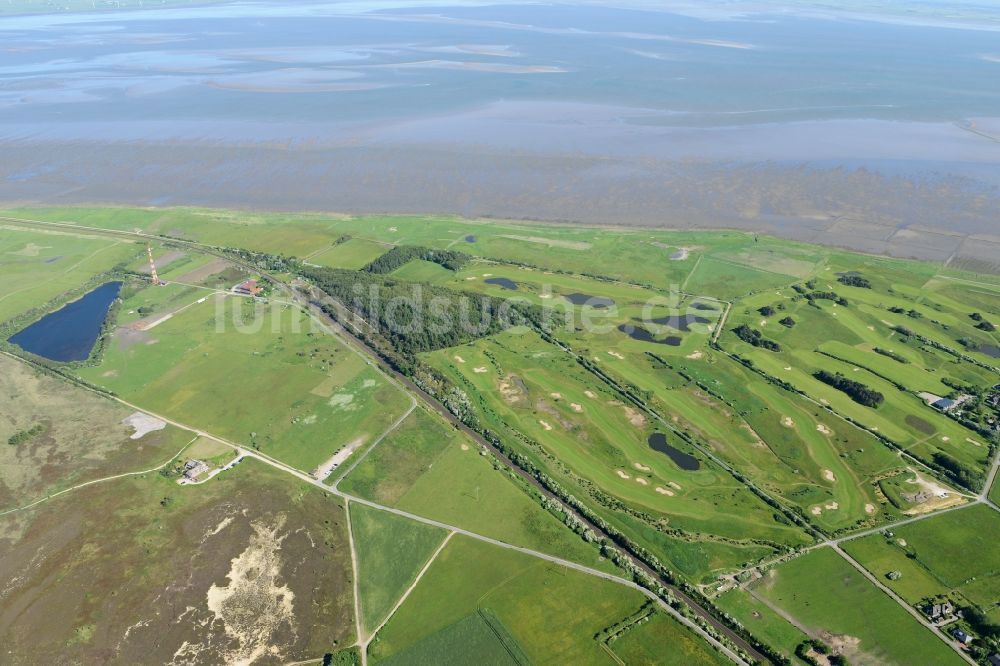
{"type": "Point", "coordinates": [68, 334]}
{"type": "Point", "coordinates": [502, 282]}
{"type": "Point", "coordinates": [658, 442]}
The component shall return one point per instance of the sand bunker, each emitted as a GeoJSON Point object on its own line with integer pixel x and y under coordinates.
{"type": "Point", "coordinates": [622, 474]}
{"type": "Point", "coordinates": [787, 422]}
{"type": "Point", "coordinates": [616, 355]}
{"type": "Point", "coordinates": [664, 491]}
{"type": "Point", "coordinates": [465, 447]}
{"type": "Point", "coordinates": [143, 424]}
{"type": "Point", "coordinates": [545, 425]}
{"type": "Point", "coordinates": [575, 407]}
{"type": "Point", "coordinates": [870, 509]}
{"type": "Point", "coordinates": [694, 356]}
{"type": "Point", "coordinates": [816, 510]}
{"type": "Point", "coordinates": [823, 429]}
{"type": "Point", "coordinates": [557, 396]}
{"type": "Point", "coordinates": [828, 475]}
{"type": "Point", "coordinates": [480, 370]}
{"type": "Point", "coordinates": [641, 481]}
{"type": "Point", "coordinates": [459, 358]}
{"type": "Point", "coordinates": [832, 506]}
{"type": "Point", "coordinates": [674, 485]}
{"type": "Point", "coordinates": [634, 416]}
{"type": "Point", "coordinates": [590, 394]}
{"type": "Point", "coordinates": [640, 467]}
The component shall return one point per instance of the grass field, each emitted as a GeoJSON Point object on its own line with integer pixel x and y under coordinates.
{"type": "Point", "coordinates": [476, 637]}
{"type": "Point", "coordinates": [663, 641]}
{"type": "Point", "coordinates": [254, 562]}
{"type": "Point", "coordinates": [80, 436]}
{"type": "Point", "coordinates": [834, 601]}
{"type": "Point", "coordinates": [551, 613]}
{"type": "Point", "coordinates": [37, 267]}
{"type": "Point", "coordinates": [255, 373]}
{"type": "Point", "coordinates": [427, 468]}
{"type": "Point", "coordinates": [762, 621]}
{"type": "Point", "coordinates": [948, 555]}
{"type": "Point", "coordinates": [354, 254]}
{"type": "Point", "coordinates": [391, 551]}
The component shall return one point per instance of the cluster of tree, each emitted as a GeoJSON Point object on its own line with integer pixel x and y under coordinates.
{"type": "Point", "coordinates": [891, 354]}
{"type": "Point", "coordinates": [766, 311]}
{"type": "Point", "coordinates": [959, 472]}
{"type": "Point", "coordinates": [24, 435]}
{"type": "Point", "coordinates": [980, 623]}
{"type": "Point", "coordinates": [754, 337]}
{"type": "Point", "coordinates": [265, 261]}
{"type": "Point", "coordinates": [857, 391]}
{"type": "Point", "coordinates": [788, 322]}
{"type": "Point", "coordinates": [403, 254]}
{"type": "Point", "coordinates": [912, 314]}
{"type": "Point", "coordinates": [854, 281]}
{"type": "Point", "coordinates": [416, 318]}
{"type": "Point", "coordinates": [803, 650]}
{"type": "Point", "coordinates": [827, 296]}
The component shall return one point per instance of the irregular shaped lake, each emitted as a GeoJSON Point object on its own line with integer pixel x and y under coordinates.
{"type": "Point", "coordinates": [587, 299]}
{"type": "Point", "coordinates": [642, 335]}
{"type": "Point", "coordinates": [658, 442]}
{"type": "Point", "coordinates": [69, 333]}
{"type": "Point", "coordinates": [679, 323]}
{"type": "Point", "coordinates": [503, 282]}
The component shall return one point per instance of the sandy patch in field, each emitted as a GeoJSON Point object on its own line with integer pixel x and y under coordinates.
{"type": "Point", "coordinates": [639, 466]}
{"type": "Point", "coordinates": [828, 475]}
{"type": "Point", "coordinates": [763, 323]}
{"type": "Point", "coordinates": [870, 509]}
{"type": "Point", "coordinates": [465, 447]}
{"type": "Point", "coordinates": [674, 485]}
{"type": "Point", "coordinates": [787, 422]}
{"type": "Point", "coordinates": [946, 439]}
{"type": "Point", "coordinates": [545, 424]}
{"type": "Point", "coordinates": [694, 356]}
{"type": "Point", "coordinates": [512, 390]}
{"type": "Point", "coordinates": [823, 429]}
{"type": "Point", "coordinates": [622, 474]}
{"type": "Point", "coordinates": [816, 510]}
{"type": "Point", "coordinates": [634, 416]}
{"type": "Point", "coordinates": [545, 296]}
{"type": "Point", "coordinates": [143, 424]}
{"type": "Point", "coordinates": [343, 401]}
{"type": "Point", "coordinates": [973, 442]}
{"type": "Point", "coordinates": [935, 496]}
{"type": "Point", "coordinates": [664, 491]}
{"type": "Point", "coordinates": [338, 458]}
{"type": "Point", "coordinates": [616, 355]}
{"type": "Point", "coordinates": [459, 358]}
{"type": "Point", "coordinates": [557, 396]}
{"type": "Point", "coordinates": [253, 607]}
{"type": "Point", "coordinates": [590, 394]}
{"type": "Point", "coordinates": [832, 506]}
{"type": "Point", "coordinates": [641, 481]}
{"type": "Point", "coordinates": [788, 367]}
{"type": "Point", "coordinates": [480, 370]}
{"type": "Point", "coordinates": [901, 542]}
{"type": "Point", "coordinates": [575, 407]}
{"type": "Point", "coordinates": [487, 274]}
{"type": "Point", "coordinates": [471, 277]}
{"type": "Point", "coordinates": [551, 242]}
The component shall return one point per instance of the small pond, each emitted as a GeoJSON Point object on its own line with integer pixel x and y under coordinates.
{"type": "Point", "coordinates": [679, 323]}
{"type": "Point", "coordinates": [69, 333]}
{"type": "Point", "coordinates": [587, 299]}
{"type": "Point", "coordinates": [704, 306]}
{"type": "Point", "coordinates": [642, 335]}
{"type": "Point", "coordinates": [658, 442]}
{"type": "Point", "coordinates": [502, 282]}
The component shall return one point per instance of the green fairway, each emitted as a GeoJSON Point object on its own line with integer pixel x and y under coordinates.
{"type": "Point", "coordinates": [253, 372]}
{"type": "Point", "coordinates": [391, 551]}
{"type": "Point", "coordinates": [354, 253]}
{"type": "Point", "coordinates": [827, 595]}
{"type": "Point", "coordinates": [663, 641]}
{"type": "Point", "coordinates": [552, 613]}
{"type": "Point", "coordinates": [427, 468]}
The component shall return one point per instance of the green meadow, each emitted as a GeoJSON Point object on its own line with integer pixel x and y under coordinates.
{"type": "Point", "coordinates": [825, 594]}
{"type": "Point", "coordinates": [551, 613]}
{"type": "Point", "coordinates": [391, 552]}
{"type": "Point", "coordinates": [37, 267]}
{"type": "Point", "coordinates": [662, 640]}
{"type": "Point", "coordinates": [430, 469]}
{"type": "Point", "coordinates": [250, 371]}
{"type": "Point", "coordinates": [952, 554]}
{"type": "Point", "coordinates": [761, 621]}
